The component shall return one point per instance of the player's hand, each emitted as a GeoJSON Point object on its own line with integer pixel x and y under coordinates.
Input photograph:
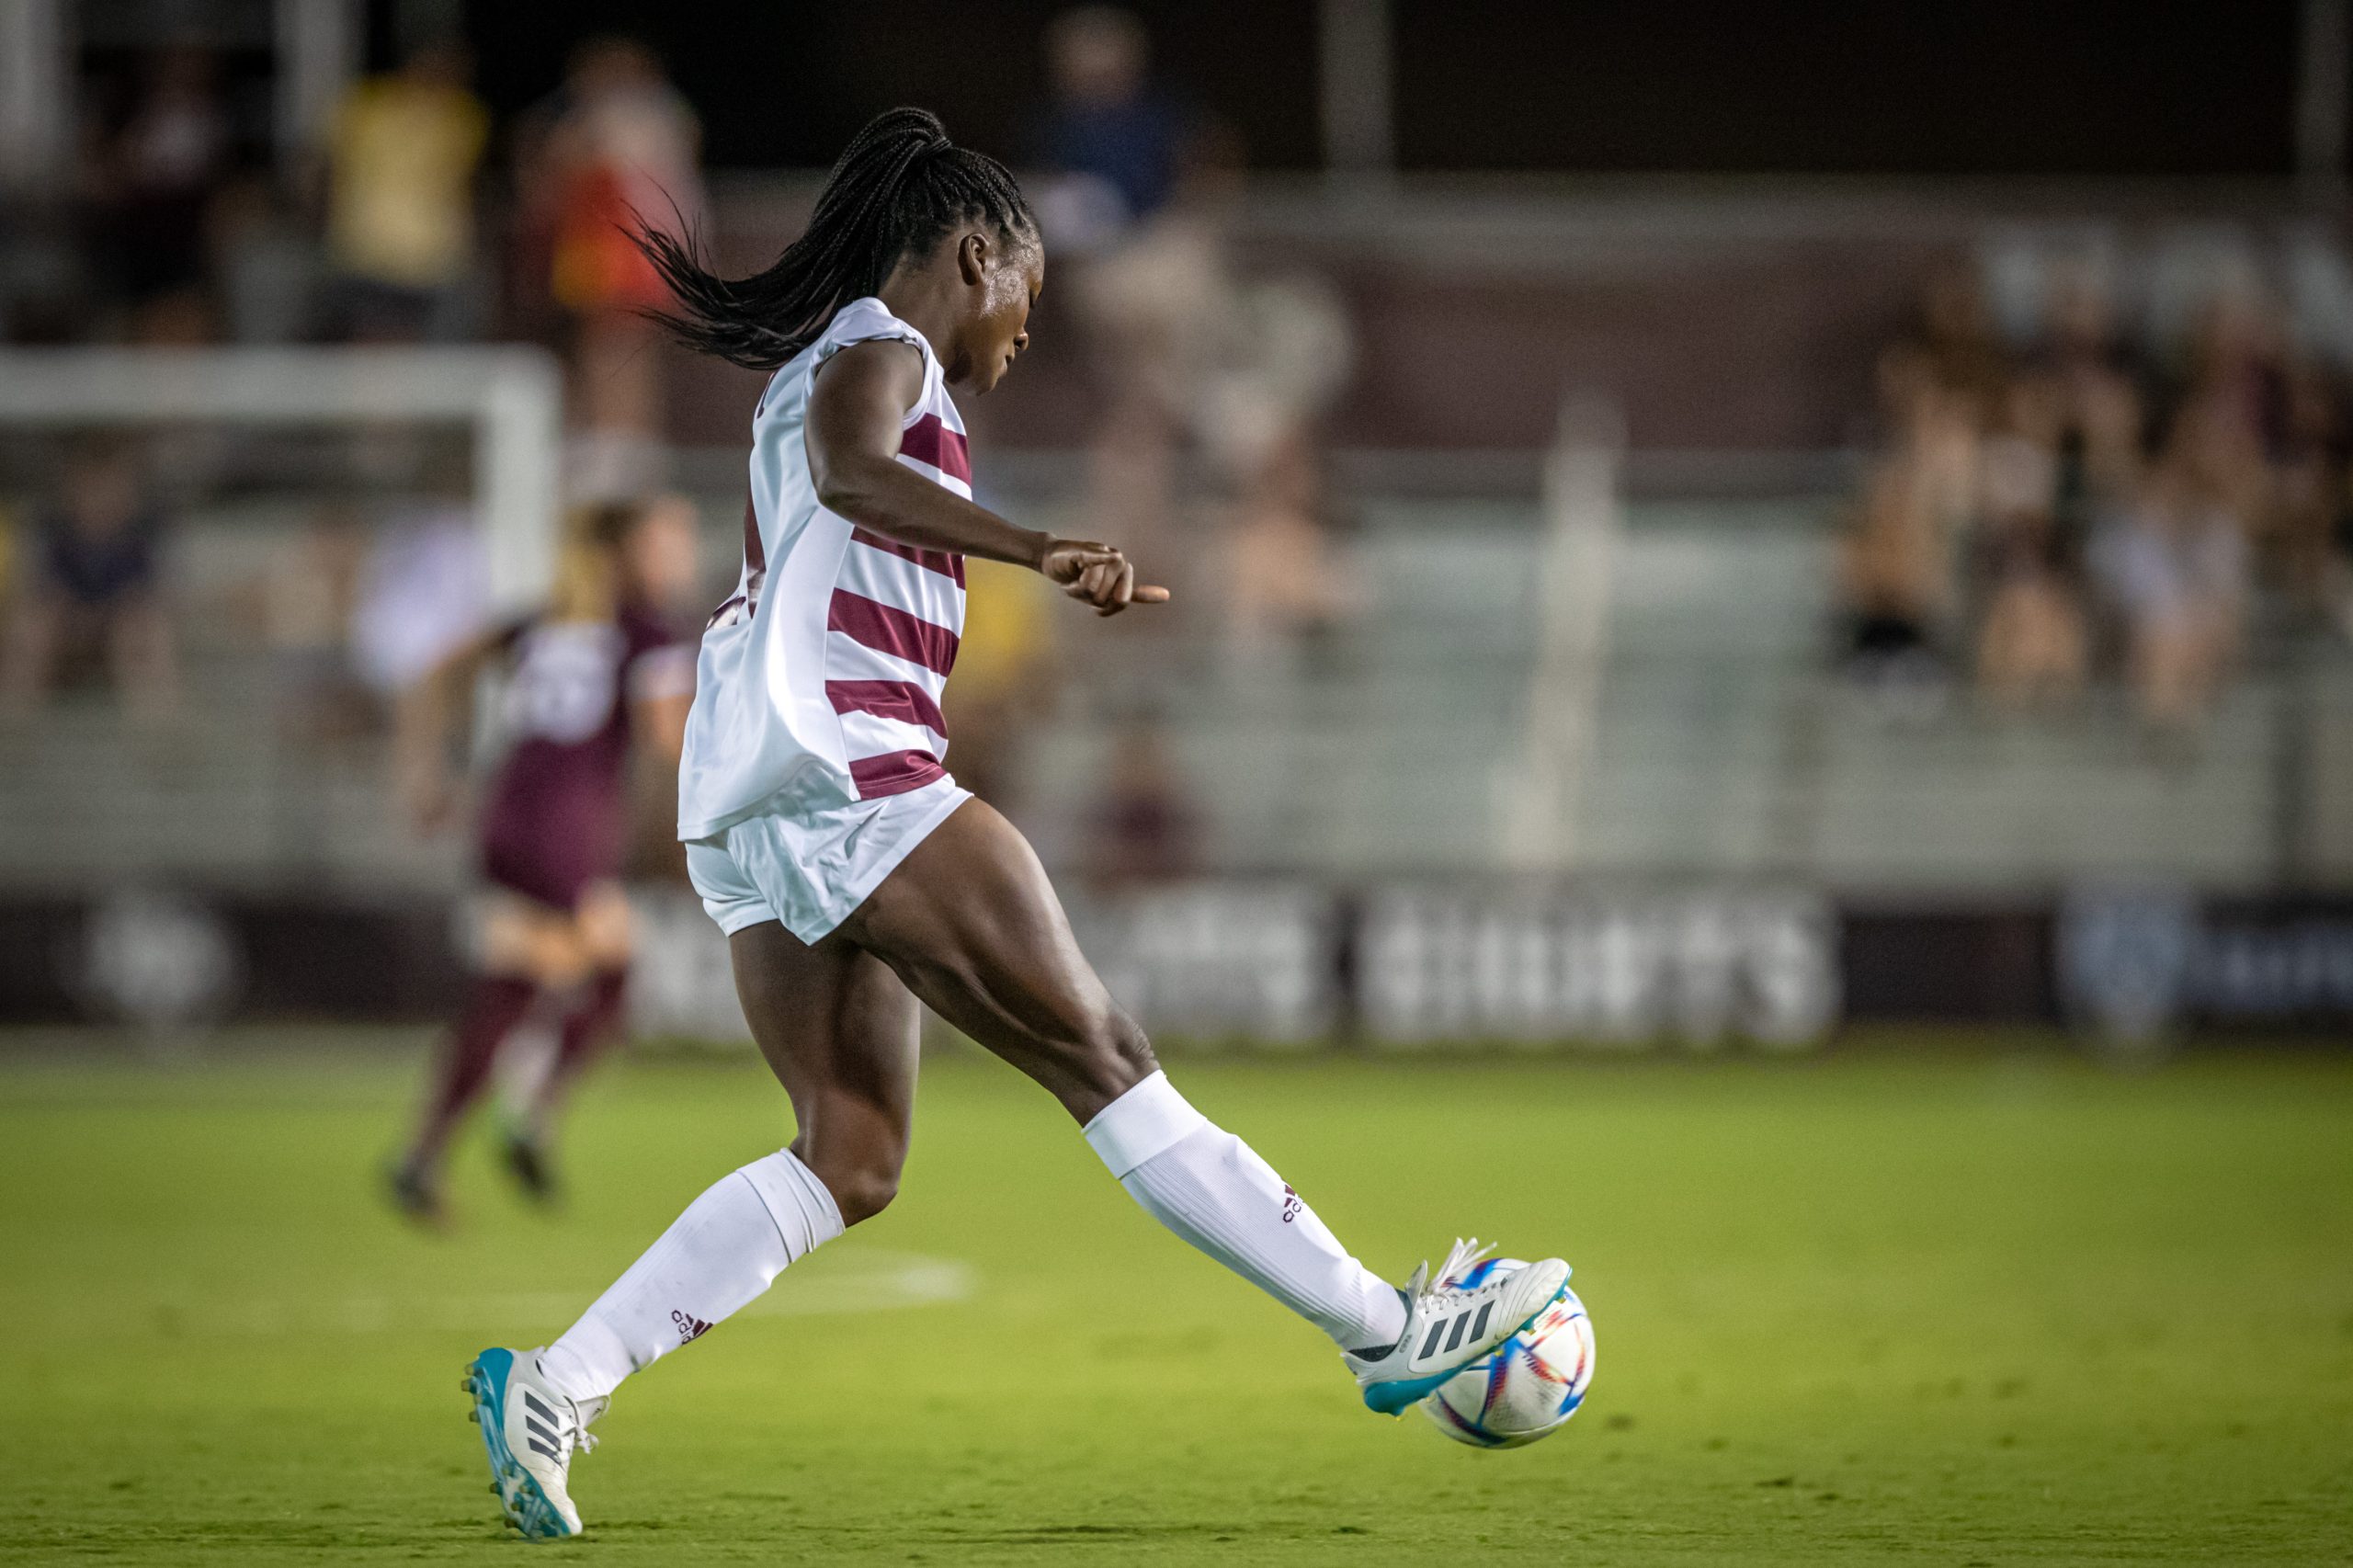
{"type": "Point", "coordinates": [1100, 574]}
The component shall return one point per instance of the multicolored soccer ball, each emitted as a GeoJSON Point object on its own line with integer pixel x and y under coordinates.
{"type": "Point", "coordinates": [1528, 1386]}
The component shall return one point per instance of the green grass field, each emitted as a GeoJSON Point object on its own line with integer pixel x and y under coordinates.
{"type": "Point", "coordinates": [1978, 1309]}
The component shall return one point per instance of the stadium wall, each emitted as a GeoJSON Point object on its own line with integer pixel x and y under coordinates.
{"type": "Point", "coordinates": [1293, 965]}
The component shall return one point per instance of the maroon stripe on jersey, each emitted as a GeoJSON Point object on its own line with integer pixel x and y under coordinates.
{"type": "Point", "coordinates": [929, 441]}
{"type": "Point", "coordinates": [948, 564]}
{"type": "Point", "coordinates": [891, 631]}
{"type": "Point", "coordinates": [900, 700]}
{"type": "Point", "coordinates": [754, 557]}
{"type": "Point", "coordinates": [894, 773]}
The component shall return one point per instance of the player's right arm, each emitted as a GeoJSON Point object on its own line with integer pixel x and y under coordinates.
{"type": "Point", "coordinates": [856, 409]}
{"type": "Point", "coordinates": [425, 720]}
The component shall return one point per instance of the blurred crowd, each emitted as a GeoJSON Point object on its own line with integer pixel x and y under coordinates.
{"type": "Point", "coordinates": [412, 219]}
{"type": "Point", "coordinates": [418, 216]}
{"type": "Point", "coordinates": [2077, 502]}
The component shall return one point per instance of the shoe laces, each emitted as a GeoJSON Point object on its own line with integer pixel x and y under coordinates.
{"type": "Point", "coordinates": [583, 1411]}
{"type": "Point", "coordinates": [1459, 1260]}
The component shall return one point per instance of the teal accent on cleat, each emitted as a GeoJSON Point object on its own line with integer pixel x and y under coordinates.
{"type": "Point", "coordinates": [514, 1407]}
{"type": "Point", "coordinates": [1452, 1320]}
{"type": "Point", "coordinates": [1398, 1397]}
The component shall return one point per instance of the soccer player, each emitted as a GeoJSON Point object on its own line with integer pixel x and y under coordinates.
{"type": "Point", "coordinates": [851, 875]}
{"type": "Point", "coordinates": [595, 674]}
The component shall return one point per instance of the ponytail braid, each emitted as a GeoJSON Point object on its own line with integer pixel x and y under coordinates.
{"type": "Point", "coordinates": [898, 187]}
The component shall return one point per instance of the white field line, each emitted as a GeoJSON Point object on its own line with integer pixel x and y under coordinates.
{"type": "Point", "coordinates": [862, 1281]}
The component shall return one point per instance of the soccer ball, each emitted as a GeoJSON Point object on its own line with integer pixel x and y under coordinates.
{"type": "Point", "coordinates": [1527, 1386]}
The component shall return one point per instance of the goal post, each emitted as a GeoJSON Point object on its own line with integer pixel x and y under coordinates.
{"type": "Point", "coordinates": [511, 395]}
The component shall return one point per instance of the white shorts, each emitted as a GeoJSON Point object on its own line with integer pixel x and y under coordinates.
{"type": "Point", "coordinates": [811, 869]}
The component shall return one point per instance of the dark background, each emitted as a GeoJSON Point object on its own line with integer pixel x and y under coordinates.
{"type": "Point", "coordinates": [2004, 87]}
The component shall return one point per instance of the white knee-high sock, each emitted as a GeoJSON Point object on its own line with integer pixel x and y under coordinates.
{"type": "Point", "coordinates": [714, 1259]}
{"type": "Point", "coordinates": [1204, 1184]}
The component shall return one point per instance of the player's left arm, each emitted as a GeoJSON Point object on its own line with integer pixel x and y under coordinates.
{"type": "Point", "coordinates": [426, 718]}
{"type": "Point", "coordinates": [856, 408]}
{"type": "Point", "coordinates": [662, 722]}
{"type": "Point", "coordinates": [661, 691]}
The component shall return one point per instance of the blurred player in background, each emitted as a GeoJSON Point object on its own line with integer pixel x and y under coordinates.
{"type": "Point", "coordinates": [599, 671]}
{"type": "Point", "coordinates": [854, 878]}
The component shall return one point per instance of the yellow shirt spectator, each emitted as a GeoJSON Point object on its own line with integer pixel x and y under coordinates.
{"type": "Point", "coordinates": [403, 156]}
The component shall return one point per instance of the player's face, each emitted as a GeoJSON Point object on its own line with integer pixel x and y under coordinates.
{"type": "Point", "coordinates": [1011, 280]}
{"type": "Point", "coordinates": [660, 553]}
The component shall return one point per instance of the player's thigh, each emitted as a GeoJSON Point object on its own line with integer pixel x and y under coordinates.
{"type": "Point", "coordinates": [602, 920]}
{"type": "Point", "coordinates": [516, 935]}
{"type": "Point", "coordinates": [840, 1032]}
{"type": "Point", "coordinates": [970, 921]}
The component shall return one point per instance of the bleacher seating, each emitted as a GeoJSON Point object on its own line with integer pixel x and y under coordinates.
{"type": "Point", "coordinates": [1724, 745]}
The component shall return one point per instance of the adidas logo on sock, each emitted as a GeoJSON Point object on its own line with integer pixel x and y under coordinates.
{"type": "Point", "coordinates": [690, 1328]}
{"type": "Point", "coordinates": [1293, 1205]}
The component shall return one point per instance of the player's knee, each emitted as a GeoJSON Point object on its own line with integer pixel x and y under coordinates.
{"type": "Point", "coordinates": [862, 1183]}
{"type": "Point", "coordinates": [862, 1194]}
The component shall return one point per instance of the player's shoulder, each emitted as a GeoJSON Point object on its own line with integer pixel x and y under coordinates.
{"type": "Point", "coordinates": [867, 319]}
{"type": "Point", "coordinates": [861, 317]}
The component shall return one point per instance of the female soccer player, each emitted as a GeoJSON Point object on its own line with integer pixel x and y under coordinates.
{"type": "Point", "coordinates": [596, 672]}
{"type": "Point", "coordinates": [851, 875]}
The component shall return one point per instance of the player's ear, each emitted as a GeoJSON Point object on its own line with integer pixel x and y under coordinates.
{"type": "Point", "coordinates": [973, 256]}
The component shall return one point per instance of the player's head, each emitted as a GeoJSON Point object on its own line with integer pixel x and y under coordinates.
{"type": "Point", "coordinates": [901, 196]}
{"type": "Point", "coordinates": [638, 551]}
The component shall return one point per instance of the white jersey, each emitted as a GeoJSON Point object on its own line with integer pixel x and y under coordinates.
{"type": "Point", "coordinates": [819, 682]}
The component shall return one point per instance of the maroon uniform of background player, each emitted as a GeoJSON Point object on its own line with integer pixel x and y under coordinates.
{"type": "Point", "coordinates": [595, 676]}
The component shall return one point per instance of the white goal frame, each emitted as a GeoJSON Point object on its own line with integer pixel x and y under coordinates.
{"type": "Point", "coordinates": [512, 396]}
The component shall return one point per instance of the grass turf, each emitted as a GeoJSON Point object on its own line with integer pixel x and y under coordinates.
{"type": "Point", "coordinates": [1993, 1310]}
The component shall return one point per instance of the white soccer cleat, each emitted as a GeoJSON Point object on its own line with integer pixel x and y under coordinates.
{"type": "Point", "coordinates": [530, 1433]}
{"type": "Point", "coordinates": [1473, 1307]}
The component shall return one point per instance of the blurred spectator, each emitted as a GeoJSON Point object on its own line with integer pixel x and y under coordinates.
{"type": "Point", "coordinates": [2313, 494]}
{"type": "Point", "coordinates": [1957, 340]}
{"type": "Point", "coordinates": [2237, 373]}
{"type": "Point", "coordinates": [624, 149]}
{"type": "Point", "coordinates": [1147, 271]}
{"type": "Point", "coordinates": [1283, 579]}
{"type": "Point", "coordinates": [2066, 538]}
{"type": "Point", "coordinates": [1143, 828]}
{"type": "Point", "coordinates": [402, 162]}
{"type": "Point", "coordinates": [1898, 563]}
{"type": "Point", "coordinates": [2032, 642]}
{"type": "Point", "coordinates": [1117, 144]}
{"type": "Point", "coordinates": [154, 179]}
{"type": "Point", "coordinates": [2175, 564]}
{"type": "Point", "coordinates": [91, 588]}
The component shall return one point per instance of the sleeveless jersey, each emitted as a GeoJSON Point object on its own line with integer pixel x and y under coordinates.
{"type": "Point", "coordinates": [818, 683]}
{"type": "Point", "coordinates": [556, 814]}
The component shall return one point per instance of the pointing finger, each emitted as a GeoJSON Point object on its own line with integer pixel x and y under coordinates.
{"type": "Point", "coordinates": [1123, 584]}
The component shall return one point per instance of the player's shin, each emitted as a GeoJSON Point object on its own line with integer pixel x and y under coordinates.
{"type": "Point", "coordinates": [712, 1261]}
{"type": "Point", "coordinates": [1207, 1185]}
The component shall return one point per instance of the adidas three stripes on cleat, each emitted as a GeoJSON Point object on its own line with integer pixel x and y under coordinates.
{"type": "Point", "coordinates": [1467, 1311]}
{"type": "Point", "coordinates": [530, 1433]}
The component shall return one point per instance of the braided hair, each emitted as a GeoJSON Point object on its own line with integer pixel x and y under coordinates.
{"type": "Point", "coordinates": [898, 187]}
